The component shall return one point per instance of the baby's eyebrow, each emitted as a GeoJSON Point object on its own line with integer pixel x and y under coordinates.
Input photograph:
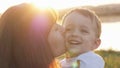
{"type": "Point", "coordinates": [84, 27]}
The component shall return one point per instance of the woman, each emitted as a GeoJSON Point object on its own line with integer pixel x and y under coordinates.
{"type": "Point", "coordinates": [26, 38]}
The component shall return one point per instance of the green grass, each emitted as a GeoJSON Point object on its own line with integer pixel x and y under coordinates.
{"type": "Point", "coordinates": [111, 58]}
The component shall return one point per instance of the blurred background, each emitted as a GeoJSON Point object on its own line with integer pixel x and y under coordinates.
{"type": "Point", "coordinates": [107, 10]}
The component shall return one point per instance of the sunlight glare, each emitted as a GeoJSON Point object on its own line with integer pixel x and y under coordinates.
{"type": "Point", "coordinates": [48, 4]}
{"type": "Point", "coordinates": [41, 4]}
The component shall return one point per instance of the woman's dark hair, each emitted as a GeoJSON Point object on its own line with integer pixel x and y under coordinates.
{"type": "Point", "coordinates": [23, 43]}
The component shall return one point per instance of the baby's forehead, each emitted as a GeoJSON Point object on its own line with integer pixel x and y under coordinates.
{"type": "Point", "coordinates": [85, 13]}
{"type": "Point", "coordinates": [75, 16]}
{"type": "Point", "coordinates": [75, 13]}
{"type": "Point", "coordinates": [78, 19]}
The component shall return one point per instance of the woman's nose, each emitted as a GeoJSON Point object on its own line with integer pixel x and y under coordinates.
{"type": "Point", "coordinates": [61, 29]}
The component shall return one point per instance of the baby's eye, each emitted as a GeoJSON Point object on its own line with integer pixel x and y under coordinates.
{"type": "Point", "coordinates": [85, 31]}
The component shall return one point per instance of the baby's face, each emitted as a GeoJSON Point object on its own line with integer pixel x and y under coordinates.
{"type": "Point", "coordinates": [79, 34]}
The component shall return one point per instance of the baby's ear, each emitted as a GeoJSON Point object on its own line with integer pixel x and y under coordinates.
{"type": "Point", "coordinates": [97, 43]}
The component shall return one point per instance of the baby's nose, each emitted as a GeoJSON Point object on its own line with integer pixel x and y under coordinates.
{"type": "Point", "coordinates": [76, 33]}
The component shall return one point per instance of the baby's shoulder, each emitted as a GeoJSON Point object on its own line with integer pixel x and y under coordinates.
{"type": "Point", "coordinates": [92, 57]}
{"type": "Point", "coordinates": [93, 60]}
{"type": "Point", "coordinates": [97, 58]}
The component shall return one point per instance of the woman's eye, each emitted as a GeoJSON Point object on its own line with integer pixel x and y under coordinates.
{"type": "Point", "coordinates": [67, 29]}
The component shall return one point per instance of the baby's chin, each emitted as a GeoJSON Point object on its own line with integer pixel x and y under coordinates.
{"type": "Point", "coordinates": [74, 52]}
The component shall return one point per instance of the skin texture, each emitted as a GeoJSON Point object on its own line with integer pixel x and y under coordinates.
{"type": "Point", "coordinates": [80, 34]}
{"type": "Point", "coordinates": [56, 40]}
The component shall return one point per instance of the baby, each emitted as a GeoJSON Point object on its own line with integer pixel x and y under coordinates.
{"type": "Point", "coordinates": [82, 36]}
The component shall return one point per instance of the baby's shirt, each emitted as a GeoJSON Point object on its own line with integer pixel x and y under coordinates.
{"type": "Point", "coordinates": [87, 60]}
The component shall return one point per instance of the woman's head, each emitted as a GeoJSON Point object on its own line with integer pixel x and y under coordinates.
{"type": "Point", "coordinates": [24, 31]}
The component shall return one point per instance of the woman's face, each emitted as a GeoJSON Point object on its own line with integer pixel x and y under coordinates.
{"type": "Point", "coordinates": [56, 40]}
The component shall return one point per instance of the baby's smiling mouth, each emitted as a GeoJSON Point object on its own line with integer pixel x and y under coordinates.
{"type": "Point", "coordinates": [74, 42]}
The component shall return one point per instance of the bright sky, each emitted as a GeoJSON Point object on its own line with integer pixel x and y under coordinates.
{"type": "Point", "coordinates": [110, 32]}
{"type": "Point", "coordinates": [110, 36]}
{"type": "Point", "coordinates": [58, 4]}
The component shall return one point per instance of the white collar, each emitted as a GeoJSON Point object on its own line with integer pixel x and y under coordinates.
{"type": "Point", "coordinates": [84, 55]}
{"type": "Point", "coordinates": [81, 57]}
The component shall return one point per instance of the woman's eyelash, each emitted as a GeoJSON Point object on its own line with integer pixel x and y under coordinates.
{"type": "Point", "coordinates": [67, 29]}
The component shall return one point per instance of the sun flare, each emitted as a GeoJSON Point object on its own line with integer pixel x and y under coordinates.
{"type": "Point", "coordinates": [42, 4]}
{"type": "Point", "coordinates": [47, 3]}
